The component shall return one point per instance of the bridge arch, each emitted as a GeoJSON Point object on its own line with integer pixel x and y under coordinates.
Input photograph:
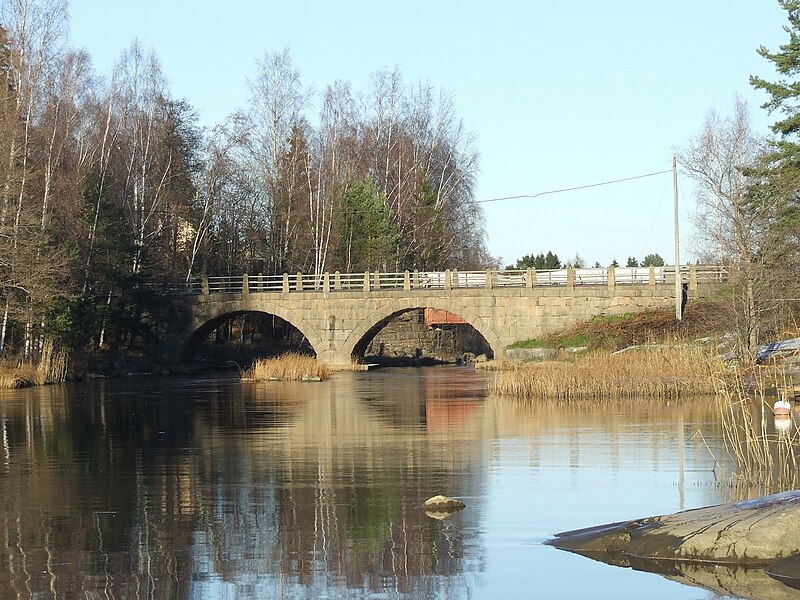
{"type": "Point", "coordinates": [358, 339]}
{"type": "Point", "coordinates": [205, 321]}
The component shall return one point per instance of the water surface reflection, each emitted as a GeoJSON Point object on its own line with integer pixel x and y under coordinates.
{"type": "Point", "coordinates": [177, 488]}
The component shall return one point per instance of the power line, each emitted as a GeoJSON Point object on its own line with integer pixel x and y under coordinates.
{"type": "Point", "coordinates": [570, 189]}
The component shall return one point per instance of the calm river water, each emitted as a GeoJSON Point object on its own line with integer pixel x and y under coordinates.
{"type": "Point", "coordinates": [209, 488]}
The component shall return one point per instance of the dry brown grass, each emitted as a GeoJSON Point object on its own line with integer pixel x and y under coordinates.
{"type": "Point", "coordinates": [20, 377]}
{"type": "Point", "coordinates": [53, 363]}
{"type": "Point", "coordinates": [659, 372]}
{"type": "Point", "coordinates": [287, 367]}
{"type": "Point", "coordinates": [765, 459]}
{"type": "Point", "coordinates": [52, 368]}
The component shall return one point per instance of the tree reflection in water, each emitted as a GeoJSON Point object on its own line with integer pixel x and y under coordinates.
{"type": "Point", "coordinates": [163, 488]}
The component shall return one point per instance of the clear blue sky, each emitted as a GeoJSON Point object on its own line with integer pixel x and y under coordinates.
{"type": "Point", "coordinates": [559, 94]}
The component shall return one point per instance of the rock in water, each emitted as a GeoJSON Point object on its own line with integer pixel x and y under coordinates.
{"type": "Point", "coordinates": [753, 532]}
{"type": "Point", "coordinates": [440, 503]}
{"type": "Point", "coordinates": [761, 534]}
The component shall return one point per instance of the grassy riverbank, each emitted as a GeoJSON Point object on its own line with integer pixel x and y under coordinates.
{"type": "Point", "coordinates": [701, 319]}
{"type": "Point", "coordinates": [287, 367]}
{"type": "Point", "coordinates": [645, 355]}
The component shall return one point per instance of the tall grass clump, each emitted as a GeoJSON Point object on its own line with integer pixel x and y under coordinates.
{"type": "Point", "coordinates": [657, 373]}
{"type": "Point", "coordinates": [287, 367]}
{"type": "Point", "coordinates": [53, 363]}
{"type": "Point", "coordinates": [765, 458]}
{"type": "Point", "coordinates": [19, 377]}
{"type": "Point", "coordinates": [52, 367]}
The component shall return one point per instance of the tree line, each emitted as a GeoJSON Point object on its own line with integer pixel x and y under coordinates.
{"type": "Point", "coordinates": [107, 181]}
{"type": "Point", "coordinates": [551, 261]}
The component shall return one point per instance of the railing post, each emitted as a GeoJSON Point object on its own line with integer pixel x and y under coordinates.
{"type": "Point", "coordinates": [570, 278]}
{"type": "Point", "coordinates": [326, 282]}
{"type": "Point", "coordinates": [204, 285]}
{"type": "Point", "coordinates": [407, 281]}
{"type": "Point", "coordinates": [260, 282]}
{"type": "Point", "coordinates": [447, 283]}
{"type": "Point", "coordinates": [245, 285]}
{"type": "Point", "coordinates": [285, 283]}
{"type": "Point", "coordinates": [530, 278]}
{"type": "Point", "coordinates": [337, 280]}
{"type": "Point", "coordinates": [377, 277]}
{"type": "Point", "coordinates": [488, 283]}
{"type": "Point", "coordinates": [366, 281]}
{"type": "Point", "coordinates": [299, 282]}
{"type": "Point", "coordinates": [653, 276]}
{"type": "Point", "coordinates": [692, 278]}
{"type": "Point", "coordinates": [454, 278]}
{"type": "Point", "coordinates": [415, 280]}
{"type": "Point", "coordinates": [612, 278]}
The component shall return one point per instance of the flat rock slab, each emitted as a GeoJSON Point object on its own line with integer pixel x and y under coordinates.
{"type": "Point", "coordinates": [753, 532]}
{"type": "Point", "coordinates": [763, 534]}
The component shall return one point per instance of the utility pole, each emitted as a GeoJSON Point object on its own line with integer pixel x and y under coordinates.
{"type": "Point", "coordinates": [678, 282]}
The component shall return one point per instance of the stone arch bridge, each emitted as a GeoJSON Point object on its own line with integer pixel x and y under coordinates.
{"type": "Point", "coordinates": [340, 313]}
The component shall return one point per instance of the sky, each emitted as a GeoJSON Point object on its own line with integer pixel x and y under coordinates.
{"type": "Point", "coordinates": [558, 94]}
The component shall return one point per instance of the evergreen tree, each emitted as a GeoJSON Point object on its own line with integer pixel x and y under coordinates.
{"type": "Point", "coordinates": [539, 261]}
{"type": "Point", "coordinates": [632, 262]}
{"type": "Point", "coordinates": [654, 260]}
{"type": "Point", "coordinates": [784, 93]}
{"type": "Point", "coordinates": [367, 233]}
{"type": "Point", "coordinates": [772, 199]}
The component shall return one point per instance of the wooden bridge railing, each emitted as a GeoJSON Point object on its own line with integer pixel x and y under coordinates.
{"type": "Point", "coordinates": [444, 280]}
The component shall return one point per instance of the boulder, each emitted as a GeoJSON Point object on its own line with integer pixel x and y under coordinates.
{"type": "Point", "coordinates": [441, 507]}
{"type": "Point", "coordinates": [761, 535]}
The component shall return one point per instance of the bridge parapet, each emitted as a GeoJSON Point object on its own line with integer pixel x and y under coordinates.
{"type": "Point", "coordinates": [693, 275]}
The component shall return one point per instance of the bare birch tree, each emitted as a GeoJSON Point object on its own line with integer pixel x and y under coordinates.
{"type": "Point", "coordinates": [143, 97]}
{"type": "Point", "coordinates": [730, 225]}
{"type": "Point", "coordinates": [34, 45]}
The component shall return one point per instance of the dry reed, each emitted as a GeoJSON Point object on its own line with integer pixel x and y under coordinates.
{"type": "Point", "coordinates": [19, 377]}
{"type": "Point", "coordinates": [765, 458]}
{"type": "Point", "coordinates": [659, 373]}
{"type": "Point", "coordinates": [53, 367]}
{"type": "Point", "coordinates": [53, 363]}
{"type": "Point", "coordinates": [287, 367]}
